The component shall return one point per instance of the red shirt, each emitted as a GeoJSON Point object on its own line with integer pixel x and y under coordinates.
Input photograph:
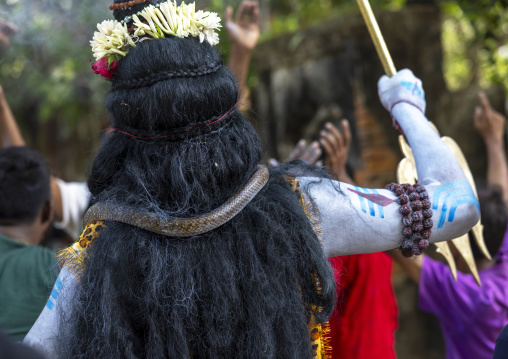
{"type": "Point", "coordinates": [365, 316]}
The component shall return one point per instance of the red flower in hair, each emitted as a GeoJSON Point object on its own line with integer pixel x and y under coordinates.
{"type": "Point", "coordinates": [104, 68]}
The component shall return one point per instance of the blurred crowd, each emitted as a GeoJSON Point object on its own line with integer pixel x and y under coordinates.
{"type": "Point", "coordinates": [40, 214]}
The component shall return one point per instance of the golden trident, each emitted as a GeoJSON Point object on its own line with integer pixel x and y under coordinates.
{"type": "Point", "coordinates": [406, 170]}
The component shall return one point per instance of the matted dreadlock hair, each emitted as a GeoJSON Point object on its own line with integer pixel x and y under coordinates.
{"type": "Point", "coordinates": [243, 290]}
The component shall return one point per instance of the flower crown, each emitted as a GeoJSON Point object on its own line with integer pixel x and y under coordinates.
{"type": "Point", "coordinates": [113, 40]}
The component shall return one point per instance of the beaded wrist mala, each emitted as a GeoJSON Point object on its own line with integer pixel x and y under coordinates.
{"type": "Point", "coordinates": [416, 211]}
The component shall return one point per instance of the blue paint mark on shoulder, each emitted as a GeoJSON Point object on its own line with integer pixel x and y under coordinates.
{"type": "Point", "coordinates": [55, 293]}
{"type": "Point", "coordinates": [59, 284]}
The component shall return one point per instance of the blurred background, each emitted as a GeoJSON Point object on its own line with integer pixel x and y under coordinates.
{"type": "Point", "coordinates": [315, 63]}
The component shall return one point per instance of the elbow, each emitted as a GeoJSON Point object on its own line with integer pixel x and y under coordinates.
{"type": "Point", "coordinates": [471, 216]}
{"type": "Point", "coordinates": [457, 224]}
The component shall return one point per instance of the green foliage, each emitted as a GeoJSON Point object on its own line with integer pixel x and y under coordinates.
{"type": "Point", "coordinates": [475, 34]}
{"type": "Point", "coordinates": [46, 68]}
{"type": "Point", "coordinates": [46, 71]}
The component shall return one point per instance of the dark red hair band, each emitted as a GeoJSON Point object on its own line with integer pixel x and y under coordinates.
{"type": "Point", "coordinates": [156, 137]}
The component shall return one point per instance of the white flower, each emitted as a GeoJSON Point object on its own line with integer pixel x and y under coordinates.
{"type": "Point", "coordinates": [211, 36]}
{"type": "Point", "coordinates": [112, 40]}
{"type": "Point", "coordinates": [211, 20]}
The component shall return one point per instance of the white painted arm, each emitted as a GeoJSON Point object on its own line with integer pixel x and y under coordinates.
{"type": "Point", "coordinates": [356, 220]}
{"type": "Point", "coordinates": [43, 336]}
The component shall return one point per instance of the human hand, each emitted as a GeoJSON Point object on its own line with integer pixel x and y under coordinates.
{"type": "Point", "coordinates": [404, 86]}
{"type": "Point", "coordinates": [308, 154]}
{"type": "Point", "coordinates": [6, 30]}
{"type": "Point", "coordinates": [244, 30]}
{"type": "Point", "coordinates": [336, 146]}
{"type": "Point", "coordinates": [489, 123]}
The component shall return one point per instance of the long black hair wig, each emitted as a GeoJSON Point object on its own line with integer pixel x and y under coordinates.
{"type": "Point", "coordinates": [244, 290]}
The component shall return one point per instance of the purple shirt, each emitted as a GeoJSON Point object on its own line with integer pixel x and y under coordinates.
{"type": "Point", "coordinates": [471, 317]}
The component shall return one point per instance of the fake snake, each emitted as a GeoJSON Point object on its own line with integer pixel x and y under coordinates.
{"type": "Point", "coordinates": [180, 227]}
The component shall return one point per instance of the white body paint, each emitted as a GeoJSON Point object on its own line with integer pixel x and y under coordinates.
{"type": "Point", "coordinates": [348, 230]}
{"type": "Point", "coordinates": [44, 334]}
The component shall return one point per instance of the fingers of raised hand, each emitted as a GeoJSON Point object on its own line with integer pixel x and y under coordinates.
{"type": "Point", "coordinates": [405, 78]}
{"type": "Point", "coordinates": [334, 142]}
{"type": "Point", "coordinates": [383, 84]}
{"type": "Point", "coordinates": [298, 150]}
{"type": "Point", "coordinates": [478, 116]}
{"type": "Point", "coordinates": [405, 75]}
{"type": "Point", "coordinates": [256, 17]}
{"type": "Point", "coordinates": [346, 132]}
{"type": "Point", "coordinates": [312, 153]}
{"type": "Point", "coordinates": [329, 151]}
{"type": "Point", "coordinates": [229, 15]}
{"type": "Point", "coordinates": [248, 12]}
{"type": "Point", "coordinates": [484, 101]}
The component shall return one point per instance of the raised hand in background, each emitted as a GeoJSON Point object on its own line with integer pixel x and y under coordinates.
{"type": "Point", "coordinates": [336, 146]}
{"type": "Point", "coordinates": [490, 124]}
{"type": "Point", "coordinates": [244, 30]}
{"type": "Point", "coordinates": [243, 33]}
{"type": "Point", "coordinates": [310, 154]}
{"type": "Point", "coordinates": [6, 31]}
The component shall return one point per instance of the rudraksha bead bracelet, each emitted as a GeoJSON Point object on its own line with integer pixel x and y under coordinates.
{"type": "Point", "coordinates": [416, 211]}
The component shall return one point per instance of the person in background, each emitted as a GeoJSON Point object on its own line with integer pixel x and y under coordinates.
{"type": "Point", "coordinates": [27, 270]}
{"type": "Point", "coordinates": [472, 316]}
{"type": "Point", "coordinates": [30, 200]}
{"type": "Point", "coordinates": [364, 320]}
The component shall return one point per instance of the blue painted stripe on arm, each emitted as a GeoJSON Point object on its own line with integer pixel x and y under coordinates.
{"type": "Point", "coordinates": [59, 283]}
{"type": "Point", "coordinates": [379, 207]}
{"type": "Point", "coordinates": [54, 293]}
{"type": "Point", "coordinates": [446, 187]}
{"type": "Point", "coordinates": [362, 203]}
{"type": "Point", "coordinates": [50, 305]}
{"type": "Point", "coordinates": [371, 205]}
{"type": "Point", "coordinates": [460, 201]}
{"type": "Point", "coordinates": [452, 198]}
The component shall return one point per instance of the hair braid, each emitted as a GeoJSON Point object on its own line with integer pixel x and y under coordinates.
{"type": "Point", "coordinates": [166, 75]}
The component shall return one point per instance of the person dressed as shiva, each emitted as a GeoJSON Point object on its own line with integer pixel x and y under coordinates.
{"type": "Point", "coordinates": [192, 248]}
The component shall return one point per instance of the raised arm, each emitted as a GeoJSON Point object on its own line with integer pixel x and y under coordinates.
{"type": "Point", "coordinates": [490, 124]}
{"type": "Point", "coordinates": [9, 130]}
{"type": "Point", "coordinates": [244, 34]}
{"type": "Point", "coordinates": [360, 220]}
{"type": "Point", "coordinates": [10, 135]}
